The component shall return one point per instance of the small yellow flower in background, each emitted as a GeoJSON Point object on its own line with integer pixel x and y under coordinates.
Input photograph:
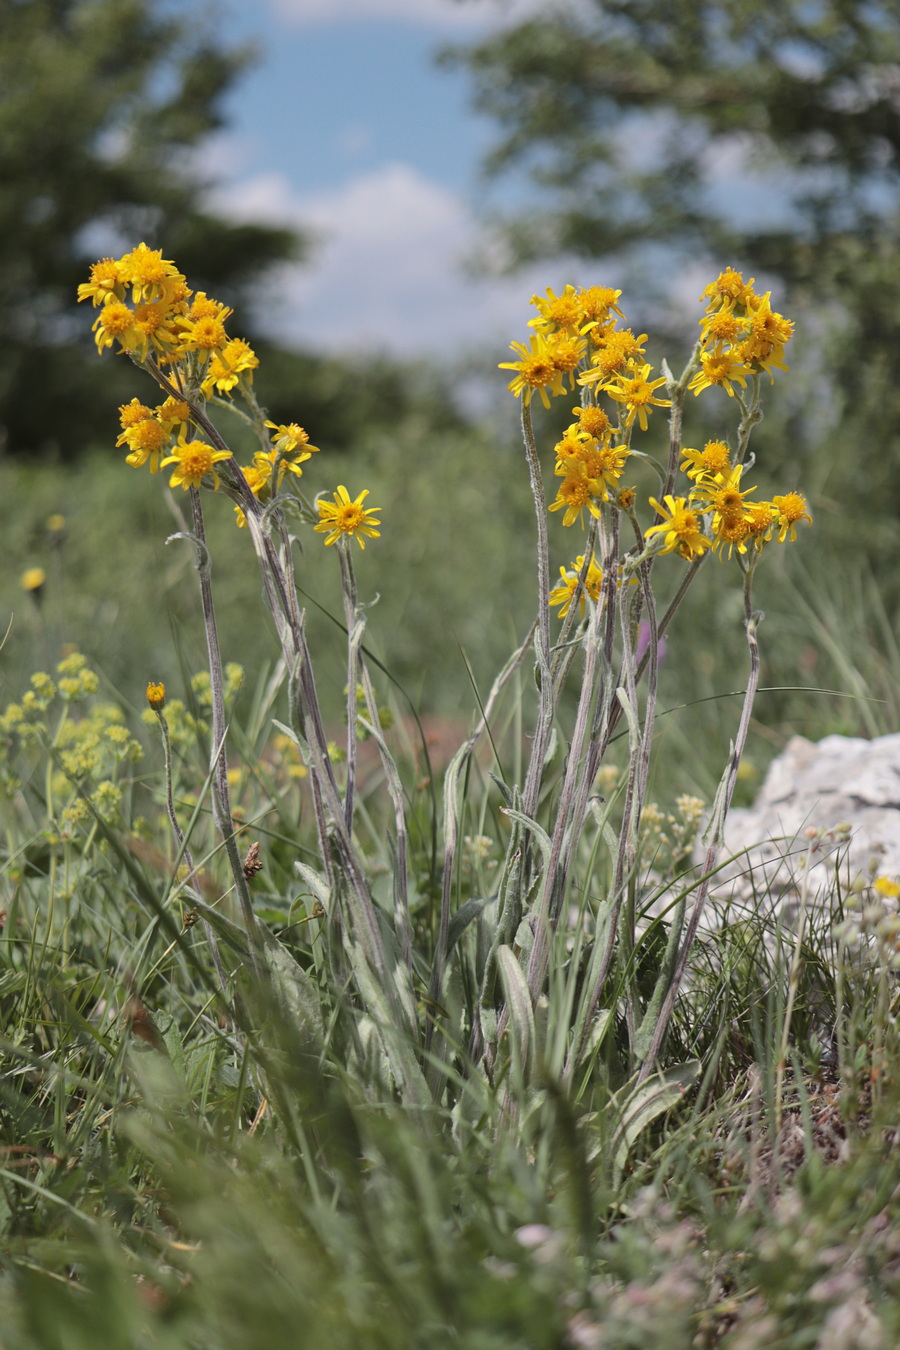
{"type": "Point", "coordinates": [680, 526]}
{"type": "Point", "coordinates": [564, 593]}
{"type": "Point", "coordinates": [56, 523]}
{"type": "Point", "coordinates": [791, 510]}
{"type": "Point", "coordinates": [33, 579]}
{"type": "Point", "coordinates": [195, 459]}
{"type": "Point", "coordinates": [886, 888]}
{"type": "Point", "coordinates": [156, 695]}
{"type": "Point", "coordinates": [346, 517]}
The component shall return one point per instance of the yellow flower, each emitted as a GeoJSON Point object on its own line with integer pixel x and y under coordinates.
{"type": "Point", "coordinates": [592, 420]}
{"type": "Point", "coordinates": [105, 283]}
{"type": "Point", "coordinates": [536, 370]}
{"type": "Point", "coordinates": [146, 440]}
{"type": "Point", "coordinates": [713, 459]}
{"type": "Point", "coordinates": [636, 392]}
{"type": "Point", "coordinates": [728, 285]}
{"type": "Point", "coordinates": [236, 358]}
{"type": "Point", "coordinates": [148, 273]}
{"type": "Point", "coordinates": [719, 368]}
{"type": "Point", "coordinates": [346, 517]}
{"type": "Point", "coordinates": [557, 311]}
{"type": "Point", "coordinates": [156, 695]}
{"type": "Point", "coordinates": [681, 527]}
{"type": "Point", "coordinates": [791, 510]}
{"type": "Point", "coordinates": [723, 494]}
{"type": "Point", "coordinates": [195, 459]}
{"type": "Point", "coordinates": [115, 322]}
{"type": "Point", "coordinates": [576, 492]}
{"type": "Point", "coordinates": [564, 593]}
{"type": "Point", "coordinates": [132, 413]}
{"type": "Point", "coordinates": [33, 579]}
{"type": "Point", "coordinates": [290, 439]}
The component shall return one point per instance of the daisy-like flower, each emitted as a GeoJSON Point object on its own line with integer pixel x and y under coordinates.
{"type": "Point", "coordinates": [614, 350]}
{"type": "Point", "coordinates": [557, 311]}
{"type": "Point", "coordinates": [346, 518]}
{"type": "Point", "coordinates": [636, 393]}
{"type": "Point", "coordinates": [730, 533]}
{"type": "Point", "coordinates": [592, 420]}
{"type": "Point", "coordinates": [761, 517]}
{"type": "Point", "coordinates": [290, 439]}
{"type": "Point", "coordinates": [714, 458]}
{"type": "Point", "coordinates": [564, 593]}
{"type": "Point", "coordinates": [576, 492]}
{"type": "Point", "coordinates": [257, 476]}
{"type": "Point", "coordinates": [132, 413]}
{"type": "Point", "coordinates": [598, 302]}
{"type": "Point", "coordinates": [728, 285]}
{"type": "Point", "coordinates": [536, 371]}
{"type": "Point", "coordinates": [791, 510]}
{"type": "Point", "coordinates": [227, 366]}
{"type": "Point", "coordinates": [719, 368]}
{"type": "Point", "coordinates": [680, 526]}
{"type": "Point", "coordinates": [195, 460]}
{"type": "Point", "coordinates": [723, 494]}
{"type": "Point", "coordinates": [115, 323]}
{"type": "Point", "coordinates": [148, 273]}
{"type": "Point", "coordinates": [146, 440]}
{"type": "Point", "coordinates": [105, 283]}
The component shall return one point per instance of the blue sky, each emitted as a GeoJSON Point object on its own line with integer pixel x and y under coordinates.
{"type": "Point", "coordinates": [348, 128]}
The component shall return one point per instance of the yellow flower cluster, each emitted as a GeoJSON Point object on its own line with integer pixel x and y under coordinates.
{"type": "Point", "coordinates": [717, 496]}
{"type": "Point", "coordinates": [741, 333]}
{"type": "Point", "coordinates": [578, 338]}
{"type": "Point", "coordinates": [147, 308]}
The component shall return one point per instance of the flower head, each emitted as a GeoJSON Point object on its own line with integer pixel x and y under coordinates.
{"type": "Point", "coordinates": [536, 370]}
{"type": "Point", "coordinates": [195, 460]}
{"type": "Point", "coordinates": [680, 526]}
{"type": "Point", "coordinates": [156, 695]}
{"type": "Point", "coordinates": [344, 517]}
{"type": "Point", "coordinates": [637, 394]}
{"type": "Point", "coordinates": [564, 593]}
{"type": "Point", "coordinates": [791, 510]}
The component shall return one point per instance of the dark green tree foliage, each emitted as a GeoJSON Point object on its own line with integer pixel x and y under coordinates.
{"type": "Point", "coordinates": [622, 112]}
{"type": "Point", "coordinates": [811, 87]}
{"type": "Point", "coordinates": [101, 103]}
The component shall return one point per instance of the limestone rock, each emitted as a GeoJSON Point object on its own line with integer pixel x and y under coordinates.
{"type": "Point", "coordinates": [838, 780]}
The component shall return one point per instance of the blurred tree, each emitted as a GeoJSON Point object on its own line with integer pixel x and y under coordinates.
{"type": "Point", "coordinates": [102, 103]}
{"type": "Point", "coordinates": [756, 134]}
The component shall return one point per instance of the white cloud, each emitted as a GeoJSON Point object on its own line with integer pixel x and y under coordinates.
{"type": "Point", "coordinates": [458, 14]}
{"type": "Point", "coordinates": [388, 271]}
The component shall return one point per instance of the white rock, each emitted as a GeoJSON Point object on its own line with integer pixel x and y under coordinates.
{"type": "Point", "coordinates": [839, 780]}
